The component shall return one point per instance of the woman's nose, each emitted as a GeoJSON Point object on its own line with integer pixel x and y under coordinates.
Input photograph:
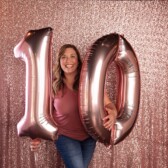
{"type": "Point", "coordinates": [68, 59]}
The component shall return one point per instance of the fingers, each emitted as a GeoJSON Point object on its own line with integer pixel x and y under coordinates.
{"type": "Point", "coordinates": [34, 144]}
{"type": "Point", "coordinates": [108, 122]}
{"type": "Point", "coordinates": [111, 112]}
{"type": "Point", "coordinates": [108, 126]}
{"type": "Point", "coordinates": [34, 147]}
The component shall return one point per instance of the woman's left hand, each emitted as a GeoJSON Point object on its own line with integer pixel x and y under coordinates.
{"type": "Point", "coordinates": [110, 119]}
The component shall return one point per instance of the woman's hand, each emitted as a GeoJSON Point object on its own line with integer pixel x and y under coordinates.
{"type": "Point", "coordinates": [111, 110]}
{"type": "Point", "coordinates": [34, 144]}
{"type": "Point", "coordinates": [110, 119]}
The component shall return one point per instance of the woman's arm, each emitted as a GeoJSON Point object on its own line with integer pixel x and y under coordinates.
{"type": "Point", "coordinates": [110, 119]}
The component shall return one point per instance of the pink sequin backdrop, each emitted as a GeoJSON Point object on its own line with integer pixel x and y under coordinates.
{"type": "Point", "coordinates": [145, 26]}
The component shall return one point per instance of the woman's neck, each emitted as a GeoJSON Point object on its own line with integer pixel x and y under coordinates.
{"type": "Point", "coordinates": [69, 80]}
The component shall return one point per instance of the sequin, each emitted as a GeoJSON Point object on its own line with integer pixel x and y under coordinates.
{"type": "Point", "coordinates": [143, 23]}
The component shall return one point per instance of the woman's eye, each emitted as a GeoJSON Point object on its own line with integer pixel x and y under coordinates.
{"type": "Point", "coordinates": [63, 57]}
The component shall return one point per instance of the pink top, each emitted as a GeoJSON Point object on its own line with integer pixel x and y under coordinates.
{"type": "Point", "coordinates": [66, 115]}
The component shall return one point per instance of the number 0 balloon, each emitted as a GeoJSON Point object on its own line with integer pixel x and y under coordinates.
{"type": "Point", "coordinates": [35, 50]}
{"type": "Point", "coordinates": [112, 47]}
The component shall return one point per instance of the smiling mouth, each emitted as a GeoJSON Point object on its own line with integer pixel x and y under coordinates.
{"type": "Point", "coordinates": [69, 66]}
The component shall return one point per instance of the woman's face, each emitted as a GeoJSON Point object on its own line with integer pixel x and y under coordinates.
{"type": "Point", "coordinates": [69, 61]}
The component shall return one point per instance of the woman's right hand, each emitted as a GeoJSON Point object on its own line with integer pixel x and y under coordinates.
{"type": "Point", "coordinates": [34, 144]}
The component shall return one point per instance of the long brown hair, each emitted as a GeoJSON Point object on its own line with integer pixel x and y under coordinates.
{"type": "Point", "coordinates": [58, 73]}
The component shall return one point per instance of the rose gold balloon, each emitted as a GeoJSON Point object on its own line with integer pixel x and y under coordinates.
{"type": "Point", "coordinates": [35, 50]}
{"type": "Point", "coordinates": [91, 97]}
{"type": "Point", "coordinates": [129, 90]}
{"type": "Point", "coordinates": [112, 47]}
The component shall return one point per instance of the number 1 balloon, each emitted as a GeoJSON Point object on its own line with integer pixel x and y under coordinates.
{"type": "Point", "coordinates": [35, 50]}
{"type": "Point", "coordinates": [109, 48]}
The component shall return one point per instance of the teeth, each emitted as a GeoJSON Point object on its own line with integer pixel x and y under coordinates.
{"type": "Point", "coordinates": [69, 66]}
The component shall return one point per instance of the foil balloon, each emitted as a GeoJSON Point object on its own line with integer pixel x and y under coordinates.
{"type": "Point", "coordinates": [107, 49]}
{"type": "Point", "coordinates": [35, 50]}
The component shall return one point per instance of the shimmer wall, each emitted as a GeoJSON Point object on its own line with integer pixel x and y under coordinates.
{"type": "Point", "coordinates": [143, 23]}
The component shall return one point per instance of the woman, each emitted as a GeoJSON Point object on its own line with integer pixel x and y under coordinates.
{"type": "Point", "coordinates": [74, 144]}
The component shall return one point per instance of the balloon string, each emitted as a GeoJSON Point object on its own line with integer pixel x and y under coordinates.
{"type": "Point", "coordinates": [36, 159]}
{"type": "Point", "coordinates": [113, 133]}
